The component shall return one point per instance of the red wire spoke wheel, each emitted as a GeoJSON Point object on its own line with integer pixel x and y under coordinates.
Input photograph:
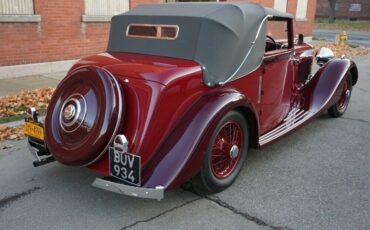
{"type": "Point", "coordinates": [344, 98]}
{"type": "Point", "coordinates": [226, 149]}
{"type": "Point", "coordinates": [226, 153]}
{"type": "Point", "coordinates": [341, 105]}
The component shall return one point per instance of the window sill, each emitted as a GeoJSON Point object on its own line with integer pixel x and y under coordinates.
{"type": "Point", "coordinates": [96, 18]}
{"type": "Point", "coordinates": [301, 19]}
{"type": "Point", "coordinates": [20, 18]}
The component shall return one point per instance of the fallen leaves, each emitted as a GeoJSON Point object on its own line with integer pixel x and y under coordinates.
{"type": "Point", "coordinates": [339, 51]}
{"type": "Point", "coordinates": [11, 133]}
{"type": "Point", "coordinates": [17, 105]}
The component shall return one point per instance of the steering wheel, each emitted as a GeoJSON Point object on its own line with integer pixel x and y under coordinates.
{"type": "Point", "coordinates": [272, 41]}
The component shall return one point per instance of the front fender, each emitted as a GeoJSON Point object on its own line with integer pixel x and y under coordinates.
{"type": "Point", "coordinates": [181, 155]}
{"type": "Point", "coordinates": [326, 87]}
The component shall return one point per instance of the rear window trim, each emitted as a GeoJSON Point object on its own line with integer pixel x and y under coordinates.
{"type": "Point", "coordinates": [153, 37]}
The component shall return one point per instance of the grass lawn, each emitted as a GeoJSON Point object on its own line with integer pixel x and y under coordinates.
{"type": "Point", "coordinates": [11, 118]}
{"type": "Point", "coordinates": [342, 24]}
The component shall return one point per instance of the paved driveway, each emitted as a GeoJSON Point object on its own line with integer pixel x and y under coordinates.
{"type": "Point", "coordinates": [317, 178]}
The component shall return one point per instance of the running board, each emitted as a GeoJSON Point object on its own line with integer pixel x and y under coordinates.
{"type": "Point", "coordinates": [295, 118]}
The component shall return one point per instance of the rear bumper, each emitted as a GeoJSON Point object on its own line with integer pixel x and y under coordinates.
{"type": "Point", "coordinates": [148, 193]}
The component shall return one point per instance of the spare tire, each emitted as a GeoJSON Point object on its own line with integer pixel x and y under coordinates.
{"type": "Point", "coordinates": [84, 115]}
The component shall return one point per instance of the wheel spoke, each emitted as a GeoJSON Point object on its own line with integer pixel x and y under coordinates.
{"type": "Point", "coordinates": [222, 163]}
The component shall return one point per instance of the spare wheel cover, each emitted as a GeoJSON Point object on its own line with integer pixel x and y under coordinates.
{"type": "Point", "coordinates": [83, 116]}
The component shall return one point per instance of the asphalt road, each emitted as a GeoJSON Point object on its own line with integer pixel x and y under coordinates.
{"type": "Point", "coordinates": [354, 37]}
{"type": "Point", "coordinates": [317, 178]}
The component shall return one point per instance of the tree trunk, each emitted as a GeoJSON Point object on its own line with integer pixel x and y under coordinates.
{"type": "Point", "coordinates": [332, 11]}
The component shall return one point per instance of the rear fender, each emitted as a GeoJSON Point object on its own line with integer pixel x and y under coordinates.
{"type": "Point", "coordinates": [181, 156]}
{"type": "Point", "coordinates": [327, 84]}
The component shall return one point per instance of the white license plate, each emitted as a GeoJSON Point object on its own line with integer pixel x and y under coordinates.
{"type": "Point", "coordinates": [124, 166]}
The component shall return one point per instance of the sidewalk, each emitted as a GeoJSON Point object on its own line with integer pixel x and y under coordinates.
{"type": "Point", "coordinates": [14, 85]}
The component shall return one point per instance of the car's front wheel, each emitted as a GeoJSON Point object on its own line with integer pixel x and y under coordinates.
{"type": "Point", "coordinates": [341, 105]}
{"type": "Point", "coordinates": [226, 153]}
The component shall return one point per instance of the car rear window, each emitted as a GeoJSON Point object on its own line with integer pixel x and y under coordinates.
{"type": "Point", "coordinates": [168, 32]}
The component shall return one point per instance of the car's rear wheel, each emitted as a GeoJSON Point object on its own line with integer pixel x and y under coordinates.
{"type": "Point", "coordinates": [225, 155]}
{"type": "Point", "coordinates": [341, 105]}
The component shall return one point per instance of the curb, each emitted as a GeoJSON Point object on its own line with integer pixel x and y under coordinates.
{"type": "Point", "coordinates": [15, 71]}
{"type": "Point", "coordinates": [20, 122]}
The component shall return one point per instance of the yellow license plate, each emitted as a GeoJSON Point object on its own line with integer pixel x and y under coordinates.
{"type": "Point", "coordinates": [33, 130]}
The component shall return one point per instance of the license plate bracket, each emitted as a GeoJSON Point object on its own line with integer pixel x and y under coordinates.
{"type": "Point", "coordinates": [125, 166]}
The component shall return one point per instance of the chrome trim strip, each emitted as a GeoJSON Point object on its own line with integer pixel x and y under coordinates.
{"type": "Point", "coordinates": [148, 193]}
{"type": "Point", "coordinates": [248, 53]}
{"type": "Point", "coordinates": [282, 127]}
{"type": "Point", "coordinates": [286, 124]}
{"type": "Point", "coordinates": [269, 136]}
{"type": "Point", "coordinates": [119, 119]}
{"type": "Point", "coordinates": [259, 96]}
{"type": "Point", "coordinates": [293, 115]}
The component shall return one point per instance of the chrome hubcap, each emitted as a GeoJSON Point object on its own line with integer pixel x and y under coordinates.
{"type": "Point", "coordinates": [73, 113]}
{"type": "Point", "coordinates": [348, 92]}
{"type": "Point", "coordinates": [234, 151]}
{"type": "Point", "coordinates": [69, 112]}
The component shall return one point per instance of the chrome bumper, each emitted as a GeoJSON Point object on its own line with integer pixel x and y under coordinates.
{"type": "Point", "coordinates": [148, 193]}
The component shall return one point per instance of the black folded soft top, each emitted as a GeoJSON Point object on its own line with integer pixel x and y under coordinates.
{"type": "Point", "coordinates": [226, 39]}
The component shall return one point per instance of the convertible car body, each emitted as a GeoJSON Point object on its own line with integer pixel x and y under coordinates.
{"type": "Point", "coordinates": [182, 92]}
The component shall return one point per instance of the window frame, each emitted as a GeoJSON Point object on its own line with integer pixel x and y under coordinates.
{"type": "Point", "coordinates": [159, 30]}
{"type": "Point", "coordinates": [289, 34]}
{"type": "Point", "coordinates": [12, 17]}
{"type": "Point", "coordinates": [88, 17]}
{"type": "Point", "coordinates": [278, 3]}
{"type": "Point", "coordinates": [299, 6]}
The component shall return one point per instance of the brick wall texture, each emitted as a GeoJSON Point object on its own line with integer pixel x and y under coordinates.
{"type": "Point", "coordinates": [62, 36]}
{"type": "Point", "coordinates": [342, 11]}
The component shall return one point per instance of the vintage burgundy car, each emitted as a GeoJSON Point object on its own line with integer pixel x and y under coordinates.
{"type": "Point", "coordinates": [182, 92]}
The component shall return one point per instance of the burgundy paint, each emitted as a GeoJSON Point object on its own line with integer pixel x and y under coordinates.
{"type": "Point", "coordinates": [83, 145]}
{"type": "Point", "coordinates": [171, 114]}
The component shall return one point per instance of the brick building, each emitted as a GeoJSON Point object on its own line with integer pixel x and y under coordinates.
{"type": "Point", "coordinates": [348, 9]}
{"type": "Point", "coordinates": [35, 31]}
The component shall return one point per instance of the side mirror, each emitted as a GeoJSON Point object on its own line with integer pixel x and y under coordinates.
{"type": "Point", "coordinates": [324, 55]}
{"type": "Point", "coordinates": [300, 39]}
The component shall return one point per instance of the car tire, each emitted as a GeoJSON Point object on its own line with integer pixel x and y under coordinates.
{"type": "Point", "coordinates": [341, 105]}
{"type": "Point", "coordinates": [225, 156]}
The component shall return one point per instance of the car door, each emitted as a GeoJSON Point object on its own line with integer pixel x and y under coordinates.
{"type": "Point", "coordinates": [277, 76]}
{"type": "Point", "coordinates": [303, 59]}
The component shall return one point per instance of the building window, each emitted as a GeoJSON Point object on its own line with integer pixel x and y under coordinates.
{"type": "Point", "coordinates": [280, 5]}
{"type": "Point", "coordinates": [301, 13]}
{"type": "Point", "coordinates": [337, 6]}
{"type": "Point", "coordinates": [103, 10]}
{"type": "Point", "coordinates": [18, 11]}
{"type": "Point", "coordinates": [355, 7]}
